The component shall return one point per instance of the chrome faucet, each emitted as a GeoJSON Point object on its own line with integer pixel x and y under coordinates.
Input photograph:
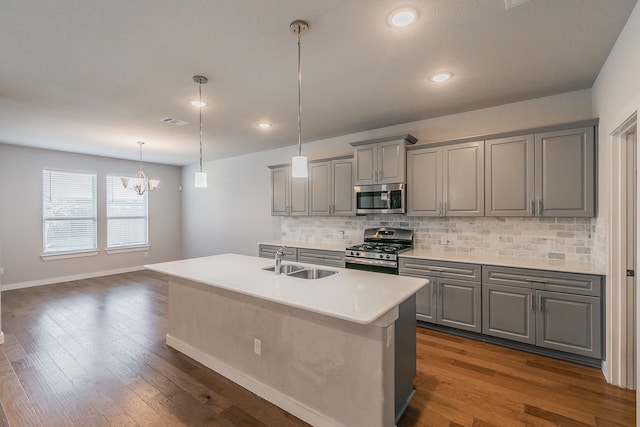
{"type": "Point", "coordinates": [279, 256]}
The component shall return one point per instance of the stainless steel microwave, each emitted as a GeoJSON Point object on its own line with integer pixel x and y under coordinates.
{"type": "Point", "coordinates": [380, 198]}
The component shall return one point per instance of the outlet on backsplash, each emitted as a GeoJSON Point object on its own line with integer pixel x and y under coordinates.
{"type": "Point", "coordinates": [444, 240]}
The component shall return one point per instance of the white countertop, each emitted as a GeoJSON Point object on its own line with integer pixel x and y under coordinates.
{"type": "Point", "coordinates": [504, 261]}
{"type": "Point", "coordinates": [351, 295]}
{"type": "Point", "coordinates": [338, 247]}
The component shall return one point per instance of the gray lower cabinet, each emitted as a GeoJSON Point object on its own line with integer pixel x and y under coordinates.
{"type": "Point", "coordinates": [452, 297]}
{"type": "Point", "coordinates": [446, 181]}
{"type": "Point", "coordinates": [269, 251]}
{"type": "Point", "coordinates": [311, 256]}
{"type": "Point", "coordinates": [555, 310]}
{"type": "Point", "coordinates": [322, 257]}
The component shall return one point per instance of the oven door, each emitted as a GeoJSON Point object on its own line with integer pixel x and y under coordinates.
{"type": "Point", "coordinates": [377, 266]}
{"type": "Point", "coordinates": [386, 198]}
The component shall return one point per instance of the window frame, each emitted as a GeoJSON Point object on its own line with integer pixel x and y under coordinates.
{"type": "Point", "coordinates": [69, 253]}
{"type": "Point", "coordinates": [121, 248]}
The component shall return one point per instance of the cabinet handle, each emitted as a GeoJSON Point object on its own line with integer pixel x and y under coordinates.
{"type": "Point", "coordinates": [444, 211]}
{"type": "Point", "coordinates": [540, 306]}
{"type": "Point", "coordinates": [532, 208]}
{"type": "Point", "coordinates": [439, 208]}
{"type": "Point", "coordinates": [533, 302]}
{"type": "Point", "coordinates": [539, 206]}
{"type": "Point", "coordinates": [380, 175]}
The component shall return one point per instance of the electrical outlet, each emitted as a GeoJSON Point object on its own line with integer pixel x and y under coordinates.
{"type": "Point", "coordinates": [390, 334]}
{"type": "Point", "coordinates": [146, 254]}
{"type": "Point", "coordinates": [341, 234]}
{"type": "Point", "coordinates": [257, 346]}
{"type": "Point", "coordinates": [1, 271]}
{"type": "Point", "coordinates": [444, 240]}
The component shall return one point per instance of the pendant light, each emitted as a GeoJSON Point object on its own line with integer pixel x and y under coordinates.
{"type": "Point", "coordinates": [140, 183]}
{"type": "Point", "coordinates": [299, 162]}
{"type": "Point", "coordinates": [201, 177]}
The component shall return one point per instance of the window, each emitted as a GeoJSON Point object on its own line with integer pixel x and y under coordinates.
{"type": "Point", "coordinates": [127, 216]}
{"type": "Point", "coordinates": [68, 212]}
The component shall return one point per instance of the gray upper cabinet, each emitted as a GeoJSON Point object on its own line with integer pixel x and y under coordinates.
{"type": "Point", "coordinates": [288, 195]}
{"type": "Point", "coordinates": [547, 174]}
{"type": "Point", "coordinates": [509, 182]}
{"type": "Point", "coordinates": [331, 187]}
{"type": "Point", "coordinates": [446, 180]}
{"type": "Point", "coordinates": [424, 182]}
{"type": "Point", "coordinates": [381, 161]}
{"type": "Point", "coordinates": [565, 177]}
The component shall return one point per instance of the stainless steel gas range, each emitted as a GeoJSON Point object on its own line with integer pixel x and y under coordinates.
{"type": "Point", "coordinates": [380, 250]}
{"type": "Point", "coordinates": [379, 253]}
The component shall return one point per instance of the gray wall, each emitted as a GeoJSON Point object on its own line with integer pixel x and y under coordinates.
{"type": "Point", "coordinates": [233, 213]}
{"type": "Point", "coordinates": [21, 217]}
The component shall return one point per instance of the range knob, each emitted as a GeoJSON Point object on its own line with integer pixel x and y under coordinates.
{"type": "Point", "coordinates": [351, 253]}
{"type": "Point", "coordinates": [388, 256]}
{"type": "Point", "coordinates": [357, 253]}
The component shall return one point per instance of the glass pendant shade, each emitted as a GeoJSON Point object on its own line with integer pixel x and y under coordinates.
{"type": "Point", "coordinates": [201, 180]}
{"type": "Point", "coordinates": [299, 167]}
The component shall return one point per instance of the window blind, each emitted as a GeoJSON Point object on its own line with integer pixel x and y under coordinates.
{"type": "Point", "coordinates": [127, 215]}
{"type": "Point", "coordinates": [68, 211]}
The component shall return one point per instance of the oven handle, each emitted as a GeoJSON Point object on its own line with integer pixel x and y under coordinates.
{"type": "Point", "coordinates": [368, 261]}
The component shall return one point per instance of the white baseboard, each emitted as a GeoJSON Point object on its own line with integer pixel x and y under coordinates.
{"type": "Point", "coordinates": [272, 395]}
{"type": "Point", "coordinates": [50, 281]}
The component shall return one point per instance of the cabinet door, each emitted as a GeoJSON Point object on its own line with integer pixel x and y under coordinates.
{"type": "Point", "coordinates": [299, 191]}
{"type": "Point", "coordinates": [565, 173]}
{"type": "Point", "coordinates": [424, 182]}
{"type": "Point", "coordinates": [459, 304]}
{"type": "Point", "coordinates": [570, 323]}
{"type": "Point", "coordinates": [508, 312]}
{"type": "Point", "coordinates": [279, 191]}
{"type": "Point", "coordinates": [509, 181]}
{"type": "Point", "coordinates": [319, 188]}
{"type": "Point", "coordinates": [391, 162]}
{"type": "Point", "coordinates": [342, 185]}
{"type": "Point", "coordinates": [366, 164]}
{"type": "Point", "coordinates": [426, 302]}
{"type": "Point", "coordinates": [463, 179]}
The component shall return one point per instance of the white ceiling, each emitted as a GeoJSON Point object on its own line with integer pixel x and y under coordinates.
{"type": "Point", "coordinates": [95, 76]}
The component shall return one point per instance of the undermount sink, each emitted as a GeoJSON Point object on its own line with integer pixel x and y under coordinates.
{"type": "Point", "coordinates": [312, 273]}
{"type": "Point", "coordinates": [302, 272]}
{"type": "Point", "coordinates": [285, 268]}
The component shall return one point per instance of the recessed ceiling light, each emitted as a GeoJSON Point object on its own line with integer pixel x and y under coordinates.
{"type": "Point", "coordinates": [441, 77]}
{"type": "Point", "coordinates": [264, 125]}
{"type": "Point", "coordinates": [403, 17]}
{"type": "Point", "coordinates": [198, 104]}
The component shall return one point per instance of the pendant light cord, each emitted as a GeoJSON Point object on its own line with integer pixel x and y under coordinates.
{"type": "Point", "coordinates": [299, 95]}
{"type": "Point", "coordinates": [200, 93]}
{"type": "Point", "coordinates": [140, 144]}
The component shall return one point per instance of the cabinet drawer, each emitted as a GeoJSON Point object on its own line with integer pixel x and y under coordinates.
{"type": "Point", "coordinates": [313, 256]}
{"type": "Point", "coordinates": [573, 283]}
{"type": "Point", "coordinates": [449, 270]}
{"type": "Point", "coordinates": [269, 251]}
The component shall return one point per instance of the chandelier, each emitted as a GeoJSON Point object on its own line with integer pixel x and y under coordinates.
{"type": "Point", "coordinates": [140, 183]}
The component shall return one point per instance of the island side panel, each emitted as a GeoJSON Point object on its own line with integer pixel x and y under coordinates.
{"type": "Point", "coordinates": [321, 369]}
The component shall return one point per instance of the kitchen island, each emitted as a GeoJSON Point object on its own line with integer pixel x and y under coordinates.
{"type": "Point", "coordinates": [321, 349]}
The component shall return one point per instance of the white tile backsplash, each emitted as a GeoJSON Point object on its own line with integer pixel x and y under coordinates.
{"type": "Point", "coordinates": [571, 239]}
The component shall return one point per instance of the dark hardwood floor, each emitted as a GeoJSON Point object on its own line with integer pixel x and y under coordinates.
{"type": "Point", "coordinates": [92, 353]}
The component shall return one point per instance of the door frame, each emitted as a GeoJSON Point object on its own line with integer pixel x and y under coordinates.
{"type": "Point", "coordinates": [618, 351]}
